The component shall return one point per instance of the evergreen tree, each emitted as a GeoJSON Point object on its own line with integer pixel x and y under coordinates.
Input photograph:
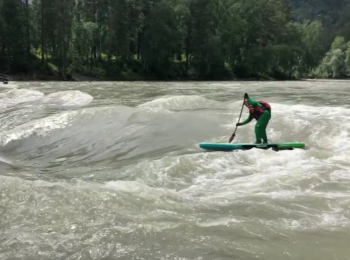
{"type": "Point", "coordinates": [171, 39]}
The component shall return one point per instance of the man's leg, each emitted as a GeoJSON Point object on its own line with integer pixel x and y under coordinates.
{"type": "Point", "coordinates": [260, 127]}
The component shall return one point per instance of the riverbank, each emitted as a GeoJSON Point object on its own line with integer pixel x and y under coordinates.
{"type": "Point", "coordinates": [34, 70]}
{"type": "Point", "coordinates": [76, 77]}
{"type": "Point", "coordinates": [135, 77]}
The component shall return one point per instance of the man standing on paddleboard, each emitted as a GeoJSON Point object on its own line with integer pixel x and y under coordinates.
{"type": "Point", "coordinates": [261, 111]}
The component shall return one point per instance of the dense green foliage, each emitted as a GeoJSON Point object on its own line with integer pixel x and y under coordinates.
{"type": "Point", "coordinates": [175, 39]}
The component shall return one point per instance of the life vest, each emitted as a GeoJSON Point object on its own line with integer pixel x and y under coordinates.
{"type": "Point", "coordinates": [256, 112]}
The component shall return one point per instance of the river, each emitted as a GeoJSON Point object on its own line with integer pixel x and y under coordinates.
{"type": "Point", "coordinates": [113, 170]}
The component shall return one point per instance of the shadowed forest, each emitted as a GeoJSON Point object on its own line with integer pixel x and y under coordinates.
{"type": "Point", "coordinates": [174, 39]}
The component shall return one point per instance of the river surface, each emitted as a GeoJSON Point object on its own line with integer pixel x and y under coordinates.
{"type": "Point", "coordinates": [102, 170]}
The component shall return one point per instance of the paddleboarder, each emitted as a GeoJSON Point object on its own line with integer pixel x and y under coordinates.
{"type": "Point", "coordinates": [261, 112]}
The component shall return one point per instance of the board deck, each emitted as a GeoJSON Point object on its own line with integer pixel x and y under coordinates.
{"type": "Point", "coordinates": [248, 146]}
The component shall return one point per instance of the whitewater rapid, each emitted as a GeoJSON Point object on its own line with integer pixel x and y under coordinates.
{"type": "Point", "coordinates": [114, 171]}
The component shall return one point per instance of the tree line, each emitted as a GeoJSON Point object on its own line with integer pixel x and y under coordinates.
{"type": "Point", "coordinates": [167, 39]}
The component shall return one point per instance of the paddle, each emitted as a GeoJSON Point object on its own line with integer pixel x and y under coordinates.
{"type": "Point", "coordinates": [234, 133]}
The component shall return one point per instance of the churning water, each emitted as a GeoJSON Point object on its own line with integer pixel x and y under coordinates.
{"type": "Point", "coordinates": [113, 171]}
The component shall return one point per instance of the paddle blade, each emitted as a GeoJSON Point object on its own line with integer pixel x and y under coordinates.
{"type": "Point", "coordinates": [231, 138]}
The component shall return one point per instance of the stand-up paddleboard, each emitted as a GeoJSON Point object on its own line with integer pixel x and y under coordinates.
{"type": "Point", "coordinates": [248, 146]}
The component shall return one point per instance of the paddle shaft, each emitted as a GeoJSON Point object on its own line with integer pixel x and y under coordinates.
{"type": "Point", "coordinates": [239, 119]}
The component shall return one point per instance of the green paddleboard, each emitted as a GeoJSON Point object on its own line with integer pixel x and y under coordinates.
{"type": "Point", "coordinates": [248, 146]}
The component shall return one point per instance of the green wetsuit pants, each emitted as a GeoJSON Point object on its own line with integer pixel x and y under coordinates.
{"type": "Point", "coordinates": [260, 127]}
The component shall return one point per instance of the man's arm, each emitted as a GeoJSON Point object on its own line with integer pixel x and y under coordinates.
{"type": "Point", "coordinates": [248, 120]}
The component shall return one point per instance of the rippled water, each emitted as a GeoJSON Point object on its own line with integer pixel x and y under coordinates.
{"type": "Point", "coordinates": [108, 170]}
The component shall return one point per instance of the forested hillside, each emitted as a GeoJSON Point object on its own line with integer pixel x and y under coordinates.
{"type": "Point", "coordinates": [175, 39]}
{"type": "Point", "coordinates": [334, 14]}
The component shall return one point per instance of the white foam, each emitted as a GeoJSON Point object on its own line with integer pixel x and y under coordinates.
{"type": "Point", "coordinates": [181, 103]}
{"type": "Point", "coordinates": [68, 99]}
{"type": "Point", "coordinates": [6, 161]}
{"type": "Point", "coordinates": [340, 175]}
{"type": "Point", "coordinates": [44, 126]}
{"type": "Point", "coordinates": [39, 127]}
{"type": "Point", "coordinates": [150, 111]}
{"type": "Point", "coordinates": [14, 97]}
